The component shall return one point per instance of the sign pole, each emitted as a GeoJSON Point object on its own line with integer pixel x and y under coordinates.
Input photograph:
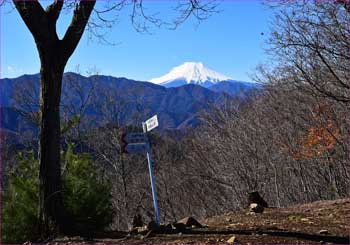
{"type": "Point", "coordinates": [154, 194]}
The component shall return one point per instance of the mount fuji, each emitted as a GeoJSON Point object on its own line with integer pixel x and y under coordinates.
{"type": "Point", "coordinates": [191, 73]}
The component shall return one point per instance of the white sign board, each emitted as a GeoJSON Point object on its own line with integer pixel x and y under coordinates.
{"type": "Point", "coordinates": [151, 123]}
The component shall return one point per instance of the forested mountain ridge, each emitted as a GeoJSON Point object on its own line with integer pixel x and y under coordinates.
{"type": "Point", "coordinates": [176, 107]}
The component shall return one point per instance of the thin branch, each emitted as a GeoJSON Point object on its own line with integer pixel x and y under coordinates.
{"type": "Point", "coordinates": [345, 3]}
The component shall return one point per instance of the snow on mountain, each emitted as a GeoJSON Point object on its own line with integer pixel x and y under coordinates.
{"type": "Point", "coordinates": [190, 72]}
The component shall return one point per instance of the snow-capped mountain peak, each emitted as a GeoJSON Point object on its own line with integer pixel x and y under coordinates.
{"type": "Point", "coordinates": [190, 72]}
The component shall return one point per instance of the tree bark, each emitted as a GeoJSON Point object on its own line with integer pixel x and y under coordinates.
{"type": "Point", "coordinates": [50, 196]}
{"type": "Point", "coordinates": [54, 54]}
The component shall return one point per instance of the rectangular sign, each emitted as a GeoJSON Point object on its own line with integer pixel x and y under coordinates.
{"type": "Point", "coordinates": [135, 138]}
{"type": "Point", "coordinates": [137, 148]}
{"type": "Point", "coordinates": [151, 123]}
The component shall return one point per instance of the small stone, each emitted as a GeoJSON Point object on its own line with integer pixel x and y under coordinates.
{"type": "Point", "coordinates": [256, 208]}
{"type": "Point", "coordinates": [304, 219]}
{"type": "Point", "coordinates": [137, 221]}
{"type": "Point", "coordinates": [323, 232]}
{"type": "Point", "coordinates": [190, 221]}
{"type": "Point", "coordinates": [142, 229]}
{"type": "Point", "coordinates": [179, 226]}
{"type": "Point", "coordinates": [229, 220]}
{"type": "Point", "coordinates": [152, 226]}
{"type": "Point", "coordinates": [254, 197]}
{"type": "Point", "coordinates": [231, 240]}
{"type": "Point", "coordinates": [168, 228]}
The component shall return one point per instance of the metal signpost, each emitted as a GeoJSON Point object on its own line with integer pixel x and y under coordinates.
{"type": "Point", "coordinates": [148, 126]}
{"type": "Point", "coordinates": [137, 143]}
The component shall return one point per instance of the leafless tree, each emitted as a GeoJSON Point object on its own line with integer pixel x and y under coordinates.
{"type": "Point", "coordinates": [310, 44]}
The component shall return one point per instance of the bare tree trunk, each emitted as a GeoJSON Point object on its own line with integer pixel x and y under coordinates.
{"type": "Point", "coordinates": [50, 196]}
{"type": "Point", "coordinates": [54, 54]}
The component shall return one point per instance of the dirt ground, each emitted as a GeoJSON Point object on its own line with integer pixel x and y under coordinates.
{"type": "Point", "coordinates": [317, 222]}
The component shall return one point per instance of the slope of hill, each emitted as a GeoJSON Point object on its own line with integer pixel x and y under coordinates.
{"type": "Point", "coordinates": [236, 88]}
{"type": "Point", "coordinates": [313, 223]}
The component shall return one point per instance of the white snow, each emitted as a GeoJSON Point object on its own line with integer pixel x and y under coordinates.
{"type": "Point", "coordinates": [191, 72]}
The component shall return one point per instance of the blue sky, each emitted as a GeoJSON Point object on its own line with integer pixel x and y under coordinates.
{"type": "Point", "coordinates": [229, 42]}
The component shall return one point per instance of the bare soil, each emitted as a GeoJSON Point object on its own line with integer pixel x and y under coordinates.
{"type": "Point", "coordinates": [317, 222]}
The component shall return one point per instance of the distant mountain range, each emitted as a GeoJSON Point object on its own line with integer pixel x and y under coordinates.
{"type": "Point", "coordinates": [109, 99]}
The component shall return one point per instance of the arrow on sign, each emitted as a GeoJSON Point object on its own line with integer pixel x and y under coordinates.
{"type": "Point", "coordinates": [134, 138]}
{"type": "Point", "coordinates": [137, 148]}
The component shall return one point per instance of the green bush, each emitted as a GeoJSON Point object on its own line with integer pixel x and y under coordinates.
{"type": "Point", "coordinates": [20, 200]}
{"type": "Point", "coordinates": [87, 197]}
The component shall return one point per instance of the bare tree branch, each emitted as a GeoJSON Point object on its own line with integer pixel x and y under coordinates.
{"type": "Point", "coordinates": [345, 3]}
{"type": "Point", "coordinates": [76, 28]}
{"type": "Point", "coordinates": [33, 15]}
{"type": "Point", "coordinates": [53, 10]}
